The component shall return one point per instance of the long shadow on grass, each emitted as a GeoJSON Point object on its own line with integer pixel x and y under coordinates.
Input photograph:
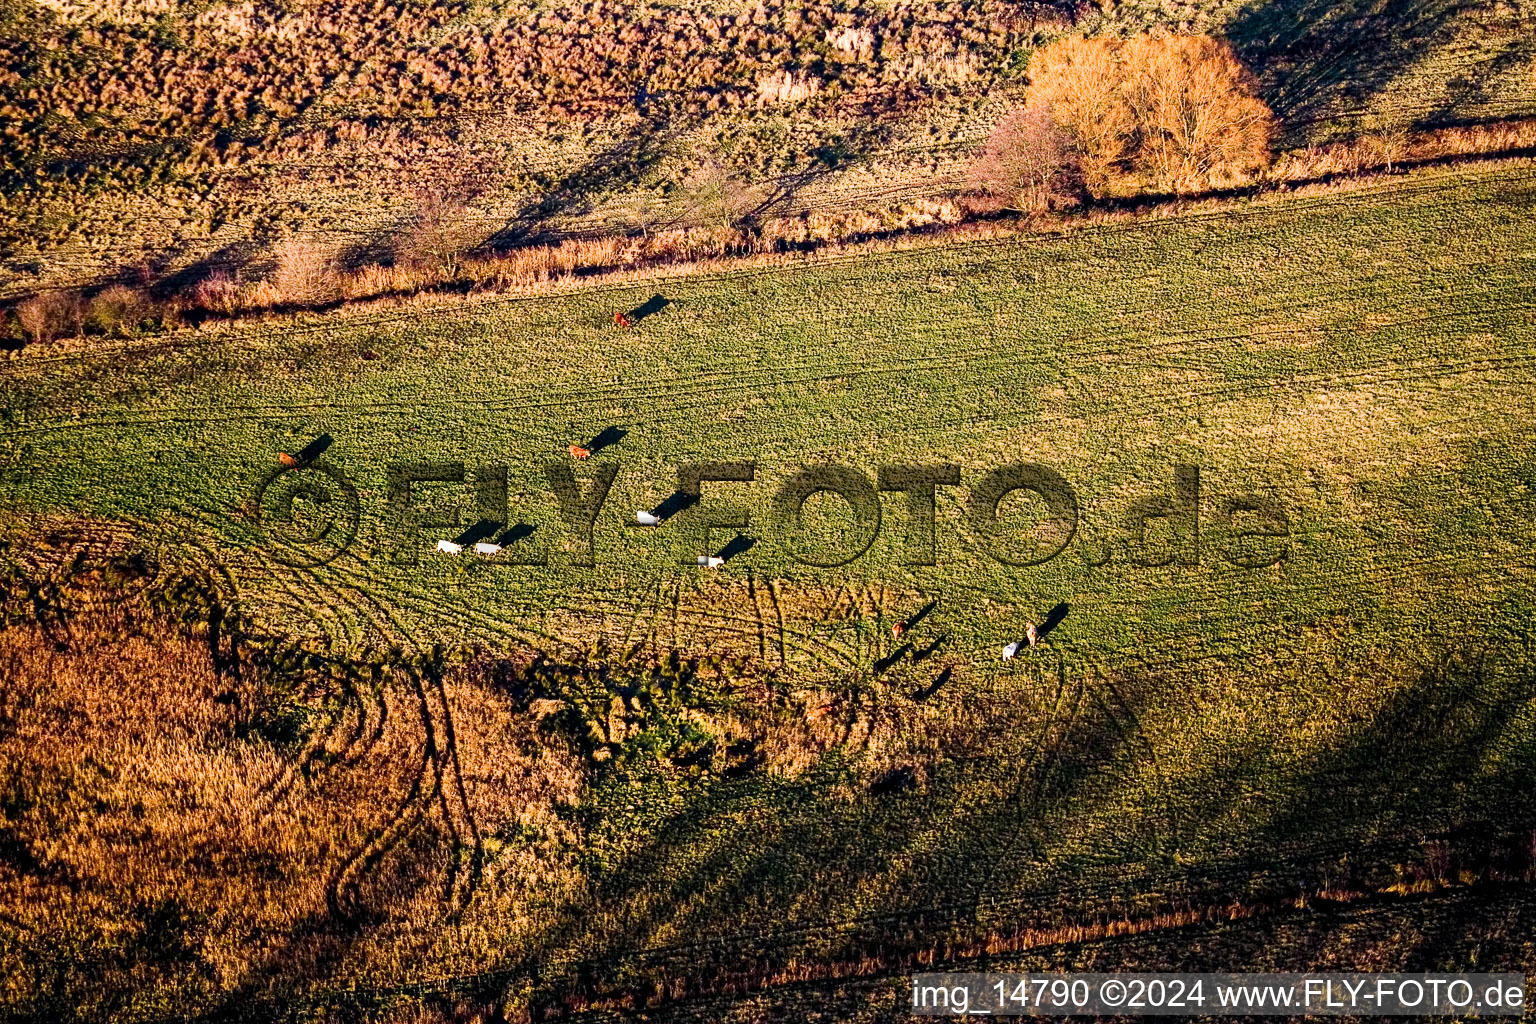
{"type": "Point", "coordinates": [619, 164]}
{"type": "Point", "coordinates": [1421, 784]}
{"type": "Point", "coordinates": [1434, 763]}
{"type": "Point", "coordinates": [1317, 57]}
{"type": "Point", "coordinates": [1039, 819]}
{"type": "Point", "coordinates": [825, 879]}
{"type": "Point", "coordinates": [813, 871]}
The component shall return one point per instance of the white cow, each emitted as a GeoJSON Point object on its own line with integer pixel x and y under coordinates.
{"type": "Point", "coordinates": [448, 547]}
{"type": "Point", "coordinates": [486, 548]}
{"type": "Point", "coordinates": [1010, 651]}
{"type": "Point", "coordinates": [711, 562]}
{"type": "Point", "coordinates": [646, 519]}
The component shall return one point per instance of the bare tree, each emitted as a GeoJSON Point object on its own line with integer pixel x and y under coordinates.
{"type": "Point", "coordinates": [643, 210]}
{"type": "Point", "coordinates": [304, 273]}
{"type": "Point", "coordinates": [37, 317]}
{"type": "Point", "coordinates": [1390, 143]}
{"type": "Point", "coordinates": [1078, 81]}
{"type": "Point", "coordinates": [439, 232]}
{"type": "Point", "coordinates": [1029, 162]}
{"type": "Point", "coordinates": [714, 197]}
{"type": "Point", "coordinates": [47, 314]}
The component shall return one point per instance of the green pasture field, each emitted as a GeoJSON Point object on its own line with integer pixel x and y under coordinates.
{"type": "Point", "coordinates": [1358, 367]}
{"type": "Point", "coordinates": [1361, 362]}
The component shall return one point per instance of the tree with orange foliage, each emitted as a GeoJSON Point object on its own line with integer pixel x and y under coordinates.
{"type": "Point", "coordinates": [1198, 121]}
{"type": "Point", "coordinates": [1158, 111]}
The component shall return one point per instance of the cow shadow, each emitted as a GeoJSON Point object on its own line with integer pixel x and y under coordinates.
{"type": "Point", "coordinates": [1053, 618]}
{"type": "Point", "coordinates": [650, 307]}
{"type": "Point", "coordinates": [737, 546]}
{"type": "Point", "coordinates": [607, 439]}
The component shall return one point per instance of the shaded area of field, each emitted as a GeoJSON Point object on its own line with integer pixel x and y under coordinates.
{"type": "Point", "coordinates": [1425, 933]}
{"type": "Point", "coordinates": [1332, 69]}
{"type": "Point", "coordinates": [1352, 715]}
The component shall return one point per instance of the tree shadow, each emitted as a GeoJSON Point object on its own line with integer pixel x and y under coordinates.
{"type": "Point", "coordinates": [1360, 802]}
{"type": "Point", "coordinates": [782, 865]}
{"type": "Point", "coordinates": [643, 144]}
{"type": "Point", "coordinates": [1320, 60]}
{"type": "Point", "coordinates": [228, 259]}
{"type": "Point", "coordinates": [749, 875]}
{"type": "Point", "coordinates": [1434, 736]}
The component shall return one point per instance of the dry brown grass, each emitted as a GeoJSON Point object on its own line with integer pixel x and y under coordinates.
{"type": "Point", "coordinates": [261, 63]}
{"type": "Point", "coordinates": [305, 278]}
{"type": "Point", "coordinates": [1387, 151]}
{"type": "Point", "coordinates": [171, 824]}
{"type": "Point", "coordinates": [186, 812]}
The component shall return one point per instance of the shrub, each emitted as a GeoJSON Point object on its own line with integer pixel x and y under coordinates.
{"type": "Point", "coordinates": [217, 293]}
{"type": "Point", "coordinates": [1029, 162]}
{"type": "Point", "coordinates": [34, 316]}
{"type": "Point", "coordinates": [304, 274]}
{"type": "Point", "coordinates": [714, 197]}
{"type": "Point", "coordinates": [118, 310]}
{"type": "Point", "coordinates": [438, 233]}
{"type": "Point", "coordinates": [46, 315]}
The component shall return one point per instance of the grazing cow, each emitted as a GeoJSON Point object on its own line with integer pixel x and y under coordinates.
{"type": "Point", "coordinates": [711, 561]}
{"type": "Point", "coordinates": [622, 320]}
{"type": "Point", "coordinates": [646, 519]}
{"type": "Point", "coordinates": [487, 548]}
{"type": "Point", "coordinates": [1010, 651]}
{"type": "Point", "coordinates": [1030, 634]}
{"type": "Point", "coordinates": [287, 460]}
{"type": "Point", "coordinates": [578, 452]}
{"type": "Point", "coordinates": [448, 547]}
{"type": "Point", "coordinates": [898, 629]}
